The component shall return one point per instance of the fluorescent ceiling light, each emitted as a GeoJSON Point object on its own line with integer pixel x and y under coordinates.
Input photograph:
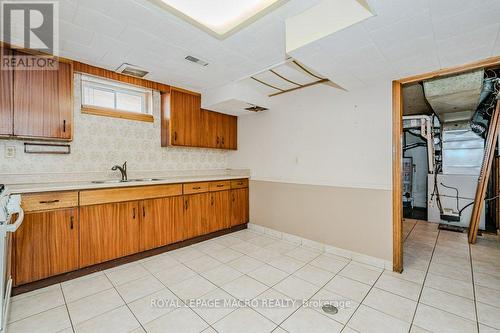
{"type": "Point", "coordinates": [323, 19]}
{"type": "Point", "coordinates": [220, 17]}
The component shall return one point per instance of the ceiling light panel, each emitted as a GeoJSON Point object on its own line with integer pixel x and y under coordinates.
{"type": "Point", "coordinates": [220, 18]}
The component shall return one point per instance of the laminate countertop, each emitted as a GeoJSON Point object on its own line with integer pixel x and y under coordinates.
{"type": "Point", "coordinates": [89, 185]}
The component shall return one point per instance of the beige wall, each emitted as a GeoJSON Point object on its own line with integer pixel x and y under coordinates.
{"type": "Point", "coordinates": [354, 219]}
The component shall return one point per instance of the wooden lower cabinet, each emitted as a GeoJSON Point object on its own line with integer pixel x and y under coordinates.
{"type": "Point", "coordinates": [239, 206]}
{"type": "Point", "coordinates": [196, 214]}
{"type": "Point", "coordinates": [161, 222]}
{"type": "Point", "coordinates": [108, 231]}
{"type": "Point", "coordinates": [220, 211]}
{"type": "Point", "coordinates": [46, 244]}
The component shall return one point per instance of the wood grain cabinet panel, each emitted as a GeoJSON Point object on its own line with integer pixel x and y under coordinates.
{"type": "Point", "coordinates": [185, 119]}
{"type": "Point", "coordinates": [108, 231]}
{"type": "Point", "coordinates": [220, 211]}
{"type": "Point", "coordinates": [196, 214]}
{"type": "Point", "coordinates": [219, 130]}
{"type": "Point", "coordinates": [161, 222]}
{"type": "Point", "coordinates": [239, 206]}
{"type": "Point", "coordinates": [42, 102]}
{"type": "Point", "coordinates": [6, 95]}
{"type": "Point", "coordinates": [46, 244]}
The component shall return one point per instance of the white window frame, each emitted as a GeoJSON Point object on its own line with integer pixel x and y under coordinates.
{"type": "Point", "coordinates": [116, 88]}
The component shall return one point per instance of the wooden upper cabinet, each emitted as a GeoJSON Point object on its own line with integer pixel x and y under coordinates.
{"type": "Point", "coordinates": [6, 94]}
{"type": "Point", "coordinates": [219, 130]}
{"type": "Point", "coordinates": [42, 102]}
{"type": "Point", "coordinates": [46, 244]}
{"type": "Point", "coordinates": [181, 119]}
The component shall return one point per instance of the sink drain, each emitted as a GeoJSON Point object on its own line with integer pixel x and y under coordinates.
{"type": "Point", "coordinates": [330, 309]}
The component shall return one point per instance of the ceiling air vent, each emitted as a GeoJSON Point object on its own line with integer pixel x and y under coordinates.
{"type": "Point", "coordinates": [256, 108]}
{"type": "Point", "coordinates": [196, 60]}
{"type": "Point", "coordinates": [132, 70]}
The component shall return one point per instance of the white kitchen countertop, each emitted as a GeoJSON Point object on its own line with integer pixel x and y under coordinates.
{"type": "Point", "coordinates": [88, 185]}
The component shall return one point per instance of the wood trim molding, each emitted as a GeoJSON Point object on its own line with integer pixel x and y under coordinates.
{"type": "Point", "coordinates": [97, 111]}
{"type": "Point", "coordinates": [185, 91]}
{"type": "Point", "coordinates": [397, 206]}
{"type": "Point", "coordinates": [105, 73]}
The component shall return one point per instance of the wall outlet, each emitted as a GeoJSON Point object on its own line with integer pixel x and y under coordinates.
{"type": "Point", "coordinates": [10, 151]}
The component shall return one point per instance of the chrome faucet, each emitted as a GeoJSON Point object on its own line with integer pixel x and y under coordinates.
{"type": "Point", "coordinates": [123, 170]}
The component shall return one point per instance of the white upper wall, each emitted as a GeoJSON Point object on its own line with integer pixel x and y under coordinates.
{"type": "Point", "coordinates": [320, 135]}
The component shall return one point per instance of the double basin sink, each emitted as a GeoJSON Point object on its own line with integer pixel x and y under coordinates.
{"type": "Point", "coordinates": [113, 181]}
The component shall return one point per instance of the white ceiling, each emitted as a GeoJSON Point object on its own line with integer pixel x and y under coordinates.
{"type": "Point", "coordinates": [406, 37]}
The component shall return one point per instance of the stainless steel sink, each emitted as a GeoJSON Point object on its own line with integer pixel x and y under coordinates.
{"type": "Point", "coordinates": [117, 181]}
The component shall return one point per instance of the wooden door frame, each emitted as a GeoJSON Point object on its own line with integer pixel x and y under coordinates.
{"type": "Point", "coordinates": [397, 134]}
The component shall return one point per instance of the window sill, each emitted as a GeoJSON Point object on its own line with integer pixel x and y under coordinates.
{"type": "Point", "coordinates": [97, 111]}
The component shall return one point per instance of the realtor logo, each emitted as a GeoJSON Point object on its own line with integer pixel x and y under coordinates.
{"type": "Point", "coordinates": [31, 25]}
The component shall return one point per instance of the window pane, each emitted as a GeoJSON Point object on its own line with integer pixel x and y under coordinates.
{"type": "Point", "coordinates": [129, 102]}
{"type": "Point", "coordinates": [98, 97]}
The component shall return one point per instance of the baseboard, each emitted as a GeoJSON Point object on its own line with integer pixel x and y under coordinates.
{"type": "Point", "coordinates": [355, 256]}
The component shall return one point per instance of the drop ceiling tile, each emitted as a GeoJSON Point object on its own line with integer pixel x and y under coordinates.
{"type": "Point", "coordinates": [410, 48]}
{"type": "Point", "coordinates": [388, 12]}
{"type": "Point", "coordinates": [70, 31]}
{"type": "Point", "coordinates": [99, 22]}
{"type": "Point", "coordinates": [67, 10]}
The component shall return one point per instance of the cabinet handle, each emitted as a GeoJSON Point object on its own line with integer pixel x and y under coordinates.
{"type": "Point", "coordinates": [64, 126]}
{"type": "Point", "coordinates": [239, 183]}
{"type": "Point", "coordinates": [71, 219]}
{"type": "Point", "coordinates": [175, 136]}
{"type": "Point", "coordinates": [49, 201]}
{"type": "Point", "coordinates": [220, 185]}
{"type": "Point", "coordinates": [196, 187]}
{"type": "Point", "coordinates": [212, 200]}
{"type": "Point", "coordinates": [133, 213]}
{"type": "Point", "coordinates": [233, 198]}
{"type": "Point", "coordinates": [143, 211]}
{"type": "Point", "coordinates": [218, 141]}
{"type": "Point", "coordinates": [223, 141]}
{"type": "Point", "coordinates": [186, 204]}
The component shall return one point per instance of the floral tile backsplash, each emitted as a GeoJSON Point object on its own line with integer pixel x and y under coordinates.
{"type": "Point", "coordinates": [101, 142]}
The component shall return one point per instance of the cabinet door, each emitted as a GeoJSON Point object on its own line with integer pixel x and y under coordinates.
{"type": "Point", "coordinates": [42, 102]}
{"type": "Point", "coordinates": [6, 94]}
{"type": "Point", "coordinates": [185, 119]}
{"type": "Point", "coordinates": [161, 222]}
{"type": "Point", "coordinates": [196, 214]}
{"type": "Point", "coordinates": [232, 133]}
{"type": "Point", "coordinates": [46, 244]}
{"type": "Point", "coordinates": [108, 231]}
{"type": "Point", "coordinates": [220, 211]}
{"type": "Point", "coordinates": [210, 136]}
{"type": "Point", "coordinates": [239, 207]}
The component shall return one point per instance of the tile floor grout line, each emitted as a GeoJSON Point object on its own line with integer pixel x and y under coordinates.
{"type": "Point", "coordinates": [425, 278]}
{"type": "Point", "coordinates": [473, 286]}
{"type": "Point", "coordinates": [67, 309]}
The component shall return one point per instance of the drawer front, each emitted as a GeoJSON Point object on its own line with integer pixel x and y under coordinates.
{"type": "Point", "coordinates": [220, 186]}
{"type": "Point", "coordinates": [239, 183]}
{"type": "Point", "coordinates": [192, 188]}
{"type": "Point", "coordinates": [49, 200]}
{"type": "Point", "coordinates": [95, 197]}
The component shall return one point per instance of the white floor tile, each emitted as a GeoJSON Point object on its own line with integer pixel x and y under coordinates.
{"type": "Point", "coordinates": [228, 240]}
{"type": "Point", "coordinates": [391, 304]}
{"type": "Point", "coordinates": [314, 275]}
{"type": "Point", "coordinates": [330, 263]}
{"type": "Point", "coordinates": [139, 288]}
{"type": "Point", "coordinates": [399, 287]}
{"type": "Point", "coordinates": [186, 254]}
{"type": "Point", "coordinates": [264, 254]}
{"type": "Point", "coordinates": [245, 247]}
{"type": "Point", "coordinates": [202, 264]}
{"type": "Point", "coordinates": [116, 321]}
{"type": "Point", "coordinates": [214, 306]}
{"type": "Point", "coordinates": [303, 254]}
{"type": "Point", "coordinates": [39, 302]}
{"type": "Point", "coordinates": [456, 287]}
{"type": "Point", "coordinates": [209, 246]}
{"type": "Point", "coordinates": [120, 275]}
{"type": "Point", "coordinates": [281, 246]}
{"type": "Point", "coordinates": [245, 264]}
{"type": "Point", "coordinates": [458, 273]}
{"type": "Point", "coordinates": [346, 307]}
{"type": "Point", "coordinates": [245, 288]}
{"type": "Point", "coordinates": [262, 241]}
{"type": "Point", "coordinates": [244, 320]}
{"type": "Point", "coordinates": [275, 306]}
{"type": "Point", "coordinates": [174, 274]}
{"type": "Point", "coordinates": [296, 288]}
{"type": "Point", "coordinates": [488, 296]}
{"type": "Point", "coordinates": [286, 264]}
{"type": "Point", "coordinates": [193, 287]}
{"type": "Point", "coordinates": [488, 315]}
{"type": "Point", "coordinates": [310, 321]}
{"type": "Point", "coordinates": [487, 280]}
{"type": "Point", "coordinates": [181, 320]}
{"type": "Point", "coordinates": [457, 305]}
{"type": "Point", "coordinates": [53, 320]}
{"type": "Point", "coordinates": [159, 263]}
{"type": "Point", "coordinates": [369, 320]}
{"type": "Point", "coordinates": [268, 275]}
{"type": "Point", "coordinates": [222, 275]}
{"type": "Point", "coordinates": [435, 320]}
{"type": "Point", "coordinates": [85, 286]}
{"type": "Point", "coordinates": [225, 255]}
{"type": "Point", "coordinates": [360, 272]}
{"type": "Point", "coordinates": [94, 305]}
{"type": "Point", "coordinates": [412, 275]}
{"type": "Point", "coordinates": [348, 288]}
{"type": "Point", "coordinates": [153, 306]}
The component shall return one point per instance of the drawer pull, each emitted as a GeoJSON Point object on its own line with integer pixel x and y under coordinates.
{"type": "Point", "coordinates": [49, 201]}
{"type": "Point", "coordinates": [71, 219]}
{"type": "Point", "coordinates": [239, 183]}
{"type": "Point", "coordinates": [197, 188]}
{"type": "Point", "coordinates": [220, 185]}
